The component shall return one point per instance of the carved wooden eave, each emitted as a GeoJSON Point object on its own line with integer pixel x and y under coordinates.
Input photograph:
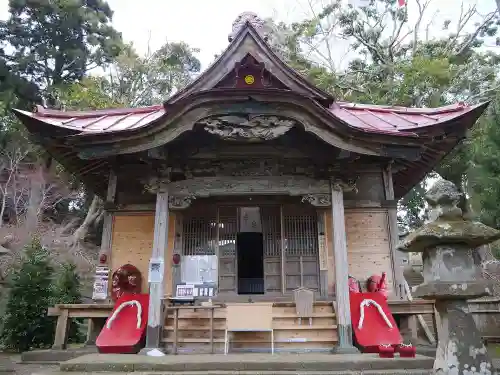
{"type": "Point", "coordinates": [313, 191]}
{"type": "Point", "coordinates": [197, 108]}
{"type": "Point", "coordinates": [248, 41]}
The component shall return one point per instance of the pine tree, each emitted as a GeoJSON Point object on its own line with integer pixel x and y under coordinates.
{"type": "Point", "coordinates": [484, 177]}
{"type": "Point", "coordinates": [67, 290]}
{"type": "Point", "coordinates": [25, 323]}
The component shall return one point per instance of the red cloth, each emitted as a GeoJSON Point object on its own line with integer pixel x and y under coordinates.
{"type": "Point", "coordinates": [402, 3]}
{"type": "Point", "coordinates": [374, 330]}
{"type": "Point", "coordinates": [120, 333]}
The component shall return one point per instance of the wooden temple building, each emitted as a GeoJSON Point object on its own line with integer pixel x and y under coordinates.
{"type": "Point", "coordinates": [251, 183]}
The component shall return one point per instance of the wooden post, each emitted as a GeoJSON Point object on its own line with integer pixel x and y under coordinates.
{"type": "Point", "coordinates": [108, 217]}
{"type": "Point", "coordinates": [392, 216]}
{"type": "Point", "coordinates": [283, 252]}
{"type": "Point", "coordinates": [344, 326]}
{"type": "Point", "coordinates": [107, 229]}
{"type": "Point", "coordinates": [156, 271]}
{"type": "Point", "coordinates": [178, 245]}
{"type": "Point", "coordinates": [95, 326]}
{"type": "Point", "coordinates": [61, 336]}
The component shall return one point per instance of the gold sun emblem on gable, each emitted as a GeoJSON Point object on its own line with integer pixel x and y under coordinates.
{"type": "Point", "coordinates": [249, 79]}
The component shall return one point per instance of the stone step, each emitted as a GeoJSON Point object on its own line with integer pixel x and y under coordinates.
{"type": "Point", "coordinates": [248, 363]}
{"type": "Point", "coordinates": [301, 372]}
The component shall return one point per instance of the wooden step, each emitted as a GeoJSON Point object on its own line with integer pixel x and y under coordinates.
{"type": "Point", "coordinates": [304, 327]}
{"type": "Point", "coordinates": [246, 341]}
{"type": "Point", "coordinates": [281, 328]}
{"type": "Point", "coordinates": [191, 340]}
{"type": "Point", "coordinates": [294, 316]}
{"type": "Point", "coordinates": [204, 328]}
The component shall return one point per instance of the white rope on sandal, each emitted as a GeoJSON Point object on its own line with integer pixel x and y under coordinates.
{"type": "Point", "coordinates": [367, 303]}
{"type": "Point", "coordinates": [121, 307]}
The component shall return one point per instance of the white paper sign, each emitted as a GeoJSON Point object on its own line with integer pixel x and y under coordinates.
{"type": "Point", "coordinates": [101, 282]}
{"type": "Point", "coordinates": [156, 270]}
{"type": "Point", "coordinates": [250, 220]}
{"type": "Point", "coordinates": [100, 291]}
{"type": "Point", "coordinates": [185, 291]}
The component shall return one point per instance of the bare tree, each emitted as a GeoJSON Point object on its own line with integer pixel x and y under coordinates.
{"type": "Point", "coordinates": [27, 189]}
{"type": "Point", "coordinates": [11, 188]}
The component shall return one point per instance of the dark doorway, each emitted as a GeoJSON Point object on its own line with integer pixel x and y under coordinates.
{"type": "Point", "coordinates": [250, 253]}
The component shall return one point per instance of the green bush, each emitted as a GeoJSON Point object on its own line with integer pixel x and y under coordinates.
{"type": "Point", "coordinates": [25, 323]}
{"type": "Point", "coordinates": [67, 290]}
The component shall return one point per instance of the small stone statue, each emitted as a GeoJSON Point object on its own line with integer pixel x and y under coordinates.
{"type": "Point", "coordinates": [452, 275]}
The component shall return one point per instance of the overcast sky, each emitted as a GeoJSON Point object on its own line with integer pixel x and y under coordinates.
{"type": "Point", "coordinates": [205, 24]}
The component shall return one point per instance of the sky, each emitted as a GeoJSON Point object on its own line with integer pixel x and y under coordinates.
{"type": "Point", "coordinates": [205, 24]}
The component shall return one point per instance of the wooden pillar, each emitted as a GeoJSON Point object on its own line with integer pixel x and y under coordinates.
{"type": "Point", "coordinates": [107, 236]}
{"type": "Point", "coordinates": [108, 217]}
{"type": "Point", "coordinates": [392, 224]}
{"type": "Point", "coordinates": [344, 326]}
{"type": "Point", "coordinates": [156, 271]}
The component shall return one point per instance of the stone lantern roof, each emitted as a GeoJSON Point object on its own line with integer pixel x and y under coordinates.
{"type": "Point", "coordinates": [447, 224]}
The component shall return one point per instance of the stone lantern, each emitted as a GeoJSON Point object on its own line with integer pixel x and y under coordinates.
{"type": "Point", "coordinates": [452, 275]}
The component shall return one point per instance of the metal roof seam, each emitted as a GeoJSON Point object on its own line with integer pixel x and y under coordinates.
{"type": "Point", "coordinates": [117, 121]}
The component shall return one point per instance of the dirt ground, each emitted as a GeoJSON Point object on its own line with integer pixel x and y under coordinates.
{"type": "Point", "coordinates": [24, 369]}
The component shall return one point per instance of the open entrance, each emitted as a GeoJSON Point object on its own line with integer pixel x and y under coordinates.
{"type": "Point", "coordinates": [250, 254]}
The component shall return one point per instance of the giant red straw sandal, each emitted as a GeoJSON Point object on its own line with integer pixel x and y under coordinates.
{"type": "Point", "coordinates": [406, 350]}
{"type": "Point", "coordinates": [386, 351]}
{"type": "Point", "coordinates": [125, 329]}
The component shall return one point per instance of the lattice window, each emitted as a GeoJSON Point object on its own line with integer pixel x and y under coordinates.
{"type": "Point", "coordinates": [271, 230]}
{"type": "Point", "coordinates": [300, 229]}
{"type": "Point", "coordinates": [228, 228]}
{"type": "Point", "coordinates": [200, 231]}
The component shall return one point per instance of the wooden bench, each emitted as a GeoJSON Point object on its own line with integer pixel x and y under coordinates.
{"type": "Point", "coordinates": [95, 313]}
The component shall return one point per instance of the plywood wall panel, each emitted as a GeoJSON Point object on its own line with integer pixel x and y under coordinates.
{"type": "Point", "coordinates": [132, 242]}
{"type": "Point", "coordinates": [368, 248]}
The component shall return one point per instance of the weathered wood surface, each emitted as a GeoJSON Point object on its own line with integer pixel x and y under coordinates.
{"type": "Point", "coordinates": [283, 311]}
{"type": "Point", "coordinates": [368, 246]}
{"type": "Point", "coordinates": [132, 243]}
{"type": "Point", "coordinates": [343, 311]}
{"type": "Point", "coordinates": [393, 231]}
{"type": "Point", "coordinates": [156, 287]}
{"type": "Point", "coordinates": [196, 330]}
{"type": "Point", "coordinates": [64, 312]}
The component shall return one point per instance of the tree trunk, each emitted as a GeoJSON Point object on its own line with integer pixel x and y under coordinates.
{"type": "Point", "coordinates": [93, 214]}
{"type": "Point", "coordinates": [37, 187]}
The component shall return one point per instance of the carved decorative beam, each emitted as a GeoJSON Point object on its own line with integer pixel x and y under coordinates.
{"type": "Point", "coordinates": [325, 200]}
{"type": "Point", "coordinates": [247, 127]}
{"type": "Point", "coordinates": [318, 200]}
{"type": "Point", "coordinates": [157, 184]}
{"type": "Point", "coordinates": [180, 202]}
{"type": "Point", "coordinates": [345, 185]}
{"type": "Point", "coordinates": [313, 191]}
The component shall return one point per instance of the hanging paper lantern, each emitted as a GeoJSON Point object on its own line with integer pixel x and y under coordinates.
{"type": "Point", "coordinates": [176, 259]}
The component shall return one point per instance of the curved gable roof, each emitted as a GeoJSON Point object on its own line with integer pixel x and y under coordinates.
{"type": "Point", "coordinates": [249, 42]}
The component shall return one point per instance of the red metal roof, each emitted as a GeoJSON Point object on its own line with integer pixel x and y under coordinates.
{"type": "Point", "coordinates": [99, 121]}
{"type": "Point", "coordinates": [395, 120]}
{"type": "Point", "coordinates": [389, 120]}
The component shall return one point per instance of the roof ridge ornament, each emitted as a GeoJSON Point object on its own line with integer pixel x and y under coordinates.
{"type": "Point", "coordinates": [250, 18]}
